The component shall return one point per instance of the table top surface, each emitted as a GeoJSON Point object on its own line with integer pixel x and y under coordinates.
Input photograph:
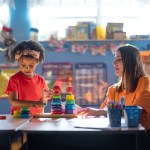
{"type": "Point", "coordinates": [75, 125]}
{"type": "Point", "coordinates": [63, 124]}
{"type": "Point", "coordinates": [11, 123]}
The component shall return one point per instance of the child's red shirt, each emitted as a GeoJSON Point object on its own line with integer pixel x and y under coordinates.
{"type": "Point", "coordinates": [28, 89]}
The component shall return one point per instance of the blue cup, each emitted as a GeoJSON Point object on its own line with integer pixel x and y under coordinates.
{"type": "Point", "coordinates": [132, 115]}
{"type": "Point", "coordinates": [115, 115]}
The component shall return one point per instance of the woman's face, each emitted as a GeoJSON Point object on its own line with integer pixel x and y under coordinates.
{"type": "Point", "coordinates": [118, 65]}
{"type": "Point", "coordinates": [27, 65]}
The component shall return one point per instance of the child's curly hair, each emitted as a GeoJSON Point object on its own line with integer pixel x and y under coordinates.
{"type": "Point", "coordinates": [29, 45]}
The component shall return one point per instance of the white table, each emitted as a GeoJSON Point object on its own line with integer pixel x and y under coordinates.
{"type": "Point", "coordinates": [8, 130]}
{"type": "Point", "coordinates": [75, 133]}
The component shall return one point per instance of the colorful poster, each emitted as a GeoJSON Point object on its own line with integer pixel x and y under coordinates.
{"type": "Point", "coordinates": [90, 83]}
{"type": "Point", "coordinates": [58, 74]}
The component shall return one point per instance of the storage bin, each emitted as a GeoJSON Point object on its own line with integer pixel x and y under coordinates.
{"type": "Point", "coordinates": [132, 115]}
{"type": "Point", "coordinates": [34, 34]}
{"type": "Point", "coordinates": [115, 115]}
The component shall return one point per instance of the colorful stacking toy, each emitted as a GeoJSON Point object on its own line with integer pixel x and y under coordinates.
{"type": "Point", "coordinates": [13, 110]}
{"type": "Point", "coordinates": [22, 113]}
{"type": "Point", "coordinates": [25, 113]}
{"type": "Point", "coordinates": [56, 104]}
{"type": "Point", "coordinates": [70, 107]}
{"type": "Point", "coordinates": [16, 113]}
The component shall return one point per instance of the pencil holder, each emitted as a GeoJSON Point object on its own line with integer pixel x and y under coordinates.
{"type": "Point", "coordinates": [132, 115]}
{"type": "Point", "coordinates": [115, 115]}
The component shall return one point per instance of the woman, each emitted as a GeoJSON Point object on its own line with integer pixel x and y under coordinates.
{"type": "Point", "coordinates": [133, 84]}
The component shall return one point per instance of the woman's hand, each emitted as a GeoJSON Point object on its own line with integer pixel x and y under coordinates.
{"type": "Point", "coordinates": [85, 112]}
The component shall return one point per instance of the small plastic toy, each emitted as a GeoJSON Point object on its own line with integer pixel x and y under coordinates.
{"type": "Point", "coordinates": [56, 89]}
{"type": "Point", "coordinates": [70, 107]}
{"type": "Point", "coordinates": [56, 104]}
{"type": "Point", "coordinates": [2, 117]}
{"type": "Point", "coordinates": [70, 89]}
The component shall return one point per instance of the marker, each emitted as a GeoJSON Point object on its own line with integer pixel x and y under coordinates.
{"type": "Point", "coordinates": [122, 102]}
{"type": "Point", "coordinates": [2, 117]}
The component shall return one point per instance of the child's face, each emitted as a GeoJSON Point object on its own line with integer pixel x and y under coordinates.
{"type": "Point", "coordinates": [27, 65]}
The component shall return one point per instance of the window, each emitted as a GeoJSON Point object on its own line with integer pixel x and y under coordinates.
{"type": "Point", "coordinates": [5, 16]}
{"type": "Point", "coordinates": [51, 16]}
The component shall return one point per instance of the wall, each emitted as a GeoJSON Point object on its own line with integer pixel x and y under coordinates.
{"type": "Point", "coordinates": [68, 56]}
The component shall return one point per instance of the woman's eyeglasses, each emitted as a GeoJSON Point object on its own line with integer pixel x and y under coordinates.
{"type": "Point", "coordinates": [117, 60]}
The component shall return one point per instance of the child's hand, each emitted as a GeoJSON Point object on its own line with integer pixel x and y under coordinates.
{"type": "Point", "coordinates": [47, 95]}
{"type": "Point", "coordinates": [39, 104]}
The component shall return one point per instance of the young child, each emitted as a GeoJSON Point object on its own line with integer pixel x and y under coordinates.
{"type": "Point", "coordinates": [26, 88]}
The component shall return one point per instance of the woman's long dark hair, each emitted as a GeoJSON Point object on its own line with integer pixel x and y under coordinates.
{"type": "Point", "coordinates": [132, 67]}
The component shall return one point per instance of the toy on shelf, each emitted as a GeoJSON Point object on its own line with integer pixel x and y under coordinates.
{"type": "Point", "coordinates": [56, 104]}
{"type": "Point", "coordinates": [70, 107]}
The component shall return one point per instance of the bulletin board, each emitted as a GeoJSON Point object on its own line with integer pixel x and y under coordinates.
{"type": "Point", "coordinates": [58, 74]}
{"type": "Point", "coordinates": [90, 83]}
